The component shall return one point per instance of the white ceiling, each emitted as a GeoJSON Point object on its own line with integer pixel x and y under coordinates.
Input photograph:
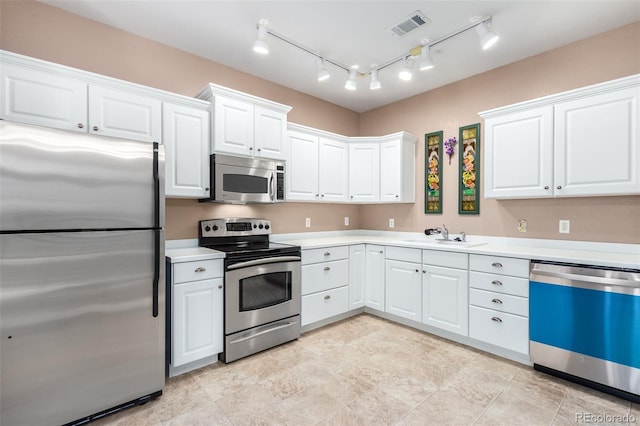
{"type": "Point", "coordinates": [357, 32]}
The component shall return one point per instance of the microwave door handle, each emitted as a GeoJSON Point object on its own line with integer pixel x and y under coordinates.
{"type": "Point", "coordinates": [273, 188]}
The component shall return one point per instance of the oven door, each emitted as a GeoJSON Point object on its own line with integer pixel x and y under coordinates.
{"type": "Point", "coordinates": [261, 291]}
{"type": "Point", "coordinates": [243, 184]}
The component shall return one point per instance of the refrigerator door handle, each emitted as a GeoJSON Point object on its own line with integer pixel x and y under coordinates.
{"type": "Point", "coordinates": [156, 232]}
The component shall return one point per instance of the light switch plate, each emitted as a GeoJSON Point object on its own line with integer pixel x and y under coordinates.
{"type": "Point", "coordinates": [564, 226]}
{"type": "Point", "coordinates": [346, 221]}
{"type": "Point", "coordinates": [392, 223]}
{"type": "Point", "coordinates": [307, 222]}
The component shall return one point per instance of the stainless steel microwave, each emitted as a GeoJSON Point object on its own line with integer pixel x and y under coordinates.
{"type": "Point", "coordinates": [245, 180]}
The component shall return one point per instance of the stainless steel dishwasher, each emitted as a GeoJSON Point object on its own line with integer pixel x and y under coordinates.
{"type": "Point", "coordinates": [585, 325]}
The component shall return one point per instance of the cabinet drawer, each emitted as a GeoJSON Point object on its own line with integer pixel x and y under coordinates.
{"type": "Point", "coordinates": [499, 283]}
{"type": "Point", "coordinates": [196, 271]}
{"type": "Point", "coordinates": [500, 302]}
{"type": "Point", "coordinates": [324, 276]}
{"type": "Point", "coordinates": [446, 259]}
{"type": "Point", "coordinates": [324, 254]}
{"type": "Point", "coordinates": [411, 255]}
{"type": "Point", "coordinates": [499, 265]}
{"type": "Point", "coordinates": [499, 328]}
{"type": "Point", "coordinates": [319, 306]}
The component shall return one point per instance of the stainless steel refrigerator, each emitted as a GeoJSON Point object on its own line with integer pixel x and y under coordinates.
{"type": "Point", "coordinates": [81, 274]}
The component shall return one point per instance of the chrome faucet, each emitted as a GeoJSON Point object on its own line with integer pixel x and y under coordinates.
{"type": "Point", "coordinates": [463, 236]}
{"type": "Point", "coordinates": [445, 232]}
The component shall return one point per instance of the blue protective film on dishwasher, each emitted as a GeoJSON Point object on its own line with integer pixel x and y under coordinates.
{"type": "Point", "coordinates": [600, 324]}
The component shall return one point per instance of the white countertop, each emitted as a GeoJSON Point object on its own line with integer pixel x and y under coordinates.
{"type": "Point", "coordinates": [590, 253]}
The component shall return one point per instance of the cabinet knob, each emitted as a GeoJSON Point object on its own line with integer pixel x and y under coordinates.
{"type": "Point", "coordinates": [497, 301]}
{"type": "Point", "coordinates": [559, 187]}
{"type": "Point", "coordinates": [250, 148]}
{"type": "Point", "coordinates": [381, 252]}
{"type": "Point", "coordinates": [200, 269]}
{"type": "Point", "coordinates": [220, 286]}
{"type": "Point", "coordinates": [546, 187]}
{"type": "Point", "coordinates": [496, 319]}
{"type": "Point", "coordinates": [322, 196]}
{"type": "Point", "coordinates": [326, 268]}
{"type": "Point", "coordinates": [259, 149]}
{"type": "Point", "coordinates": [327, 297]}
{"type": "Point", "coordinates": [397, 196]}
{"type": "Point", "coordinates": [326, 253]}
{"type": "Point", "coordinates": [206, 189]}
{"type": "Point", "coordinates": [317, 195]}
{"type": "Point", "coordinates": [496, 265]}
{"type": "Point", "coordinates": [424, 271]}
{"type": "Point", "coordinates": [496, 282]}
{"type": "Point", "coordinates": [95, 128]}
{"type": "Point", "coordinates": [80, 125]}
{"type": "Point", "coordinates": [417, 270]}
{"type": "Point", "coordinates": [351, 197]}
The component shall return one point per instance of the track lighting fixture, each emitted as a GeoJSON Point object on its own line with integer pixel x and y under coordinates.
{"type": "Point", "coordinates": [422, 51]}
{"type": "Point", "coordinates": [323, 74]}
{"type": "Point", "coordinates": [260, 45]}
{"type": "Point", "coordinates": [425, 59]}
{"type": "Point", "coordinates": [407, 71]}
{"type": "Point", "coordinates": [375, 83]}
{"type": "Point", "coordinates": [487, 38]}
{"type": "Point", "coordinates": [351, 84]}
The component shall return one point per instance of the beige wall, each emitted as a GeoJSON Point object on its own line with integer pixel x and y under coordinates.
{"type": "Point", "coordinates": [48, 33]}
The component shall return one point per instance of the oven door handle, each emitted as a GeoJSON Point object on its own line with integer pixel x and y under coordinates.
{"type": "Point", "coordinates": [264, 330]}
{"type": "Point", "coordinates": [263, 262]}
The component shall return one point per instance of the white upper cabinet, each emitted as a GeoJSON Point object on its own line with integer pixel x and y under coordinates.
{"type": "Point", "coordinates": [126, 115]}
{"type": "Point", "coordinates": [364, 172]}
{"type": "Point", "coordinates": [317, 166]}
{"type": "Point", "coordinates": [186, 141]}
{"type": "Point", "coordinates": [397, 169]}
{"type": "Point", "coordinates": [583, 142]}
{"type": "Point", "coordinates": [246, 125]}
{"type": "Point", "coordinates": [42, 98]}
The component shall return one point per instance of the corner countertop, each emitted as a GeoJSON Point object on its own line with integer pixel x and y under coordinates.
{"type": "Point", "coordinates": [190, 254]}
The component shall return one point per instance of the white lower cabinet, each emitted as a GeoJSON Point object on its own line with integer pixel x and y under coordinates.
{"type": "Point", "coordinates": [499, 301]}
{"type": "Point", "coordinates": [196, 314]}
{"type": "Point", "coordinates": [357, 276]}
{"type": "Point", "coordinates": [445, 287]}
{"type": "Point", "coordinates": [403, 282]}
{"type": "Point", "coordinates": [325, 283]}
{"type": "Point", "coordinates": [374, 277]}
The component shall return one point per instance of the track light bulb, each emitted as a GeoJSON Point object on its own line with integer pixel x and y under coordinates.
{"type": "Point", "coordinates": [375, 83]}
{"type": "Point", "coordinates": [323, 74]}
{"type": "Point", "coordinates": [407, 71]}
{"type": "Point", "coordinates": [260, 45]}
{"type": "Point", "coordinates": [351, 84]}
{"type": "Point", "coordinates": [425, 59]}
{"type": "Point", "coordinates": [487, 38]}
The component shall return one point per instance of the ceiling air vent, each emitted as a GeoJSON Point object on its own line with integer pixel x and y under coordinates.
{"type": "Point", "coordinates": [410, 23]}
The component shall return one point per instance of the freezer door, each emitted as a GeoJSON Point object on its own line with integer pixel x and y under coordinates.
{"type": "Point", "coordinates": [59, 180]}
{"type": "Point", "coordinates": [77, 330]}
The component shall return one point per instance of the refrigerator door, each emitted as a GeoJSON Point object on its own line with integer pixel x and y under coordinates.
{"type": "Point", "coordinates": [77, 330]}
{"type": "Point", "coordinates": [58, 180]}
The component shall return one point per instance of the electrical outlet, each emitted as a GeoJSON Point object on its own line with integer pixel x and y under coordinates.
{"type": "Point", "coordinates": [564, 226]}
{"type": "Point", "coordinates": [522, 225]}
{"type": "Point", "coordinates": [392, 223]}
{"type": "Point", "coordinates": [346, 221]}
{"type": "Point", "coordinates": [307, 222]}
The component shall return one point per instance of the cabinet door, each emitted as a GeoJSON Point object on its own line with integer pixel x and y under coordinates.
{"type": "Point", "coordinates": [403, 289]}
{"type": "Point", "coordinates": [364, 172]}
{"type": "Point", "coordinates": [186, 140]}
{"type": "Point", "coordinates": [390, 171]}
{"type": "Point", "coordinates": [333, 175]}
{"type": "Point", "coordinates": [445, 299]}
{"type": "Point", "coordinates": [270, 134]}
{"type": "Point", "coordinates": [519, 155]}
{"type": "Point", "coordinates": [233, 126]}
{"type": "Point", "coordinates": [597, 147]}
{"type": "Point", "coordinates": [302, 167]}
{"type": "Point", "coordinates": [124, 115]}
{"type": "Point", "coordinates": [197, 321]}
{"type": "Point", "coordinates": [357, 276]}
{"type": "Point", "coordinates": [43, 98]}
{"type": "Point", "coordinates": [375, 280]}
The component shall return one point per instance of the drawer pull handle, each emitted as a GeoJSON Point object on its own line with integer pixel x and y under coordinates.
{"type": "Point", "coordinates": [200, 269]}
{"type": "Point", "coordinates": [326, 268]}
{"type": "Point", "coordinates": [496, 319]}
{"type": "Point", "coordinates": [496, 265]}
{"type": "Point", "coordinates": [498, 301]}
{"type": "Point", "coordinates": [80, 125]}
{"type": "Point", "coordinates": [496, 282]}
{"type": "Point", "coordinates": [220, 286]}
{"type": "Point", "coordinates": [327, 297]}
{"type": "Point", "coordinates": [326, 253]}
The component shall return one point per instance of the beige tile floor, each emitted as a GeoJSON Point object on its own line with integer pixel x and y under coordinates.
{"type": "Point", "coordinates": [369, 371]}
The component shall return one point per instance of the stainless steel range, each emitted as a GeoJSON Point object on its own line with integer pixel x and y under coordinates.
{"type": "Point", "coordinates": [262, 293]}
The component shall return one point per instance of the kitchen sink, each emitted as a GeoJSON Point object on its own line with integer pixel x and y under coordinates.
{"type": "Point", "coordinates": [448, 243]}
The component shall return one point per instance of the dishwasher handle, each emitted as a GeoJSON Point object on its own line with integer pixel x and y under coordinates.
{"type": "Point", "coordinates": [597, 281]}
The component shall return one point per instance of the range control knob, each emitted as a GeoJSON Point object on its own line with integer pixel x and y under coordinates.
{"type": "Point", "coordinates": [261, 226]}
{"type": "Point", "coordinates": [207, 228]}
{"type": "Point", "coordinates": [266, 227]}
{"type": "Point", "coordinates": [215, 227]}
{"type": "Point", "coordinates": [255, 226]}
